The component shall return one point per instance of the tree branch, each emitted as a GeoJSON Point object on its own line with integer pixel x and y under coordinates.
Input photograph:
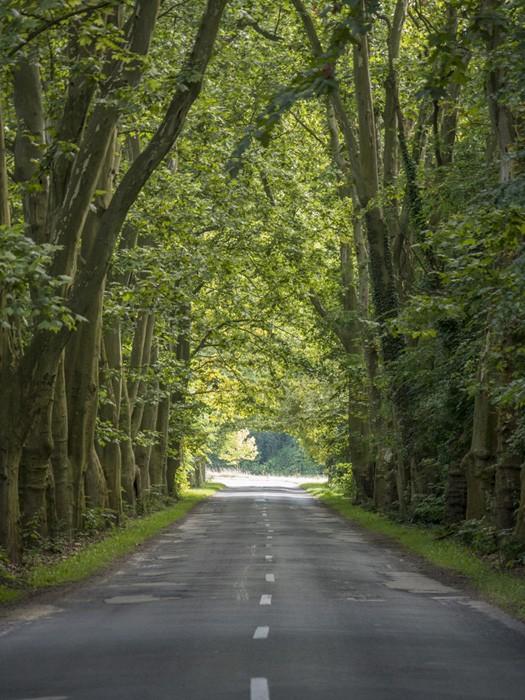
{"type": "Point", "coordinates": [53, 23]}
{"type": "Point", "coordinates": [247, 20]}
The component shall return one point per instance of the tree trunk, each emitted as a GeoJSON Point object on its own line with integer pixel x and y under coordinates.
{"type": "Point", "coordinates": [11, 442]}
{"type": "Point", "coordinates": [95, 488]}
{"type": "Point", "coordinates": [35, 466]}
{"type": "Point", "coordinates": [5, 212]}
{"type": "Point", "coordinates": [82, 360]}
{"type": "Point", "coordinates": [62, 478]}
{"type": "Point", "coordinates": [198, 477]}
{"type": "Point", "coordinates": [520, 519]}
{"type": "Point", "coordinates": [479, 463]}
{"type": "Point", "coordinates": [158, 457]}
{"type": "Point", "coordinates": [174, 463]}
{"type": "Point", "coordinates": [139, 386]}
{"type": "Point", "coordinates": [10, 455]}
{"type": "Point", "coordinates": [131, 485]}
{"type": "Point", "coordinates": [110, 453]}
{"type": "Point", "coordinates": [82, 390]}
{"type": "Point", "coordinates": [29, 143]}
{"type": "Point", "coordinates": [137, 354]}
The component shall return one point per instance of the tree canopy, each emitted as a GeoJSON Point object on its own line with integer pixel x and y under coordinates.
{"type": "Point", "coordinates": [303, 217]}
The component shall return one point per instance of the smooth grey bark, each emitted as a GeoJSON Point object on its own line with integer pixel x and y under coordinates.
{"type": "Point", "coordinates": [29, 145]}
{"type": "Point", "coordinates": [82, 361]}
{"type": "Point", "coordinates": [140, 382]}
{"type": "Point", "coordinates": [159, 451]}
{"type": "Point", "coordinates": [147, 425]}
{"type": "Point", "coordinates": [62, 477]}
{"type": "Point", "coordinates": [109, 411]}
{"type": "Point", "coordinates": [5, 212]}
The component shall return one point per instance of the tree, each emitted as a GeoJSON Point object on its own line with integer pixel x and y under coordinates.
{"type": "Point", "coordinates": [237, 447]}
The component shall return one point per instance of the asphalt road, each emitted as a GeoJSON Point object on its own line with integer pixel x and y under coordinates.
{"type": "Point", "coordinates": [262, 593]}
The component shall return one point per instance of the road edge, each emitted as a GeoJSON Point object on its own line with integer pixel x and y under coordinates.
{"type": "Point", "coordinates": [502, 589]}
{"type": "Point", "coordinates": [99, 557]}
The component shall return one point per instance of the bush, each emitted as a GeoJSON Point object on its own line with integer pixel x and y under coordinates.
{"type": "Point", "coordinates": [428, 510]}
{"type": "Point", "coordinates": [487, 540]}
{"type": "Point", "coordinates": [342, 478]}
{"type": "Point", "coordinates": [98, 519]}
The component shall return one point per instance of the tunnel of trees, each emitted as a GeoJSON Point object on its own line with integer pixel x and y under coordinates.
{"type": "Point", "coordinates": [308, 216]}
{"type": "Point", "coordinates": [260, 452]}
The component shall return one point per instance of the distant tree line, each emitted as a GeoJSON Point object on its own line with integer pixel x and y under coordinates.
{"type": "Point", "coordinates": [263, 452]}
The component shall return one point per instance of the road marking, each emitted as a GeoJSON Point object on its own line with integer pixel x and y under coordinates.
{"type": "Point", "coordinates": [270, 530]}
{"type": "Point", "coordinates": [261, 633]}
{"type": "Point", "coordinates": [259, 689]}
{"type": "Point", "coordinates": [269, 537]}
{"type": "Point", "coordinates": [266, 599]}
{"type": "Point", "coordinates": [270, 578]}
{"type": "Point", "coordinates": [268, 557]}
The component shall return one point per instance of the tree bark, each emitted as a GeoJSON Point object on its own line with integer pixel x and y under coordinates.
{"type": "Point", "coordinates": [29, 145]}
{"type": "Point", "coordinates": [35, 466]}
{"type": "Point", "coordinates": [62, 477]}
{"type": "Point", "coordinates": [82, 363]}
{"type": "Point", "coordinates": [5, 212]}
{"type": "Point", "coordinates": [158, 456]}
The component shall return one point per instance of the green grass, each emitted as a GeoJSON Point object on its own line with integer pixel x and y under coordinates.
{"type": "Point", "coordinates": [501, 588]}
{"type": "Point", "coordinates": [9, 595]}
{"type": "Point", "coordinates": [97, 556]}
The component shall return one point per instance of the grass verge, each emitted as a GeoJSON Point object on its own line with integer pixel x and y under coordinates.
{"type": "Point", "coordinates": [499, 587]}
{"type": "Point", "coordinates": [98, 555]}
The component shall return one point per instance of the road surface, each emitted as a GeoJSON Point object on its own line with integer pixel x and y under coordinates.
{"type": "Point", "coordinates": [262, 593]}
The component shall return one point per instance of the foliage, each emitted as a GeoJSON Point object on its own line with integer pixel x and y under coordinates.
{"type": "Point", "coordinates": [428, 510]}
{"type": "Point", "coordinates": [168, 314]}
{"type": "Point", "coordinates": [238, 447]}
{"type": "Point", "coordinates": [487, 540]}
{"type": "Point", "coordinates": [269, 453]}
{"type": "Point", "coordinates": [31, 296]}
{"type": "Point", "coordinates": [341, 477]}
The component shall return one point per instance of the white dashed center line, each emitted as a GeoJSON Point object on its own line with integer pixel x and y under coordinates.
{"type": "Point", "coordinates": [268, 557]}
{"type": "Point", "coordinates": [270, 578]}
{"type": "Point", "coordinates": [266, 599]}
{"type": "Point", "coordinates": [259, 689]}
{"type": "Point", "coordinates": [261, 633]}
{"type": "Point", "coordinates": [269, 537]}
